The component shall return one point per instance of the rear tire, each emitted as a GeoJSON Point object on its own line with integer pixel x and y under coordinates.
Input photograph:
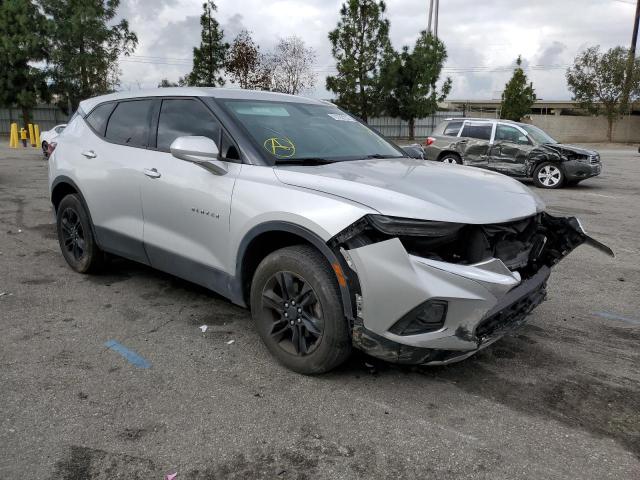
{"type": "Point", "coordinates": [451, 158]}
{"type": "Point", "coordinates": [75, 236]}
{"type": "Point", "coordinates": [548, 175]}
{"type": "Point", "coordinates": [310, 336]}
{"type": "Point", "coordinates": [45, 149]}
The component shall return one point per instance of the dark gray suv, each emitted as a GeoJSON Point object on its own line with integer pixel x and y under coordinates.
{"type": "Point", "coordinates": [516, 149]}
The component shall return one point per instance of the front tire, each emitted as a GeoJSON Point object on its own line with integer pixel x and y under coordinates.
{"type": "Point", "coordinates": [75, 236]}
{"type": "Point", "coordinates": [548, 175]}
{"type": "Point", "coordinates": [296, 306]}
{"type": "Point", "coordinates": [45, 149]}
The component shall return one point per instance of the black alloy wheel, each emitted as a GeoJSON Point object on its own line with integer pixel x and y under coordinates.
{"type": "Point", "coordinates": [297, 315]}
{"type": "Point", "coordinates": [297, 309]}
{"type": "Point", "coordinates": [75, 236]}
{"type": "Point", "coordinates": [72, 234]}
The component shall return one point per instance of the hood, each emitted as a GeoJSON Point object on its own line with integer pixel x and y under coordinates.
{"type": "Point", "coordinates": [567, 150]}
{"type": "Point", "coordinates": [413, 188]}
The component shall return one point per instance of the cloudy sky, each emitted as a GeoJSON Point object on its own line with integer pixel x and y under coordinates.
{"type": "Point", "coordinates": [483, 37]}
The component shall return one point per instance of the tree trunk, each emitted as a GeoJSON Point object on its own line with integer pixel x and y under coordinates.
{"type": "Point", "coordinates": [363, 103]}
{"type": "Point", "coordinates": [412, 128]}
{"type": "Point", "coordinates": [26, 118]}
{"type": "Point", "coordinates": [610, 129]}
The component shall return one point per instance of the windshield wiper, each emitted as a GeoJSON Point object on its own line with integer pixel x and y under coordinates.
{"type": "Point", "coordinates": [379, 155]}
{"type": "Point", "coordinates": [305, 161]}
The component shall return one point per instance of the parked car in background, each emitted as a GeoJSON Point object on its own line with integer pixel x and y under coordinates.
{"type": "Point", "coordinates": [328, 232]}
{"type": "Point", "coordinates": [415, 150]}
{"type": "Point", "coordinates": [47, 138]}
{"type": "Point", "coordinates": [516, 149]}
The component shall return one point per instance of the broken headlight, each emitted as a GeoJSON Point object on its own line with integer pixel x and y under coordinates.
{"type": "Point", "coordinates": [411, 227]}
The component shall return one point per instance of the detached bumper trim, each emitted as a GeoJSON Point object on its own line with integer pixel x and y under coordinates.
{"type": "Point", "coordinates": [512, 309]}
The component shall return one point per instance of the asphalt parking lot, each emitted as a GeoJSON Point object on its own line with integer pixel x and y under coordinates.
{"type": "Point", "coordinates": [559, 398]}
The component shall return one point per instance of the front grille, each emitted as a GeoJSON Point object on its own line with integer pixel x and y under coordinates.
{"type": "Point", "coordinates": [594, 159]}
{"type": "Point", "coordinates": [512, 314]}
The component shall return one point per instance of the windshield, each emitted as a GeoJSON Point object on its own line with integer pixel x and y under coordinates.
{"type": "Point", "coordinates": [288, 132]}
{"type": "Point", "coordinates": [538, 135]}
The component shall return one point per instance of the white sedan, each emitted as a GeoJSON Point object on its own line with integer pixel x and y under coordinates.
{"type": "Point", "coordinates": [48, 136]}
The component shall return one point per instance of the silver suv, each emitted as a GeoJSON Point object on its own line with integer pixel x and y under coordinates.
{"type": "Point", "coordinates": [328, 232]}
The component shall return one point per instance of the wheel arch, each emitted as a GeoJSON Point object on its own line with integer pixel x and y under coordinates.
{"type": "Point", "coordinates": [63, 186]}
{"type": "Point", "coordinates": [268, 237]}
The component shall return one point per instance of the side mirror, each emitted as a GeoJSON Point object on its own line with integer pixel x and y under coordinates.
{"type": "Point", "coordinates": [199, 150]}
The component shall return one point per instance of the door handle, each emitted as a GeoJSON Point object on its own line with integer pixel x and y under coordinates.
{"type": "Point", "coordinates": [89, 154]}
{"type": "Point", "coordinates": [152, 172]}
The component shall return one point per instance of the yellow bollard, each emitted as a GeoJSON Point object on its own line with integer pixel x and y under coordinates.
{"type": "Point", "coordinates": [13, 138]}
{"type": "Point", "coordinates": [32, 138]}
{"type": "Point", "coordinates": [36, 132]}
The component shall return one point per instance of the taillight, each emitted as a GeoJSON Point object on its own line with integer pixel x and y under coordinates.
{"type": "Point", "coordinates": [52, 147]}
{"type": "Point", "coordinates": [429, 141]}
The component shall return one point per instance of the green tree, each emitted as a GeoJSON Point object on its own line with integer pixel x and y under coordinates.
{"type": "Point", "coordinates": [597, 81]}
{"type": "Point", "coordinates": [86, 48]}
{"type": "Point", "coordinates": [410, 79]}
{"type": "Point", "coordinates": [209, 58]}
{"type": "Point", "coordinates": [518, 96]}
{"type": "Point", "coordinates": [359, 43]}
{"type": "Point", "coordinates": [165, 83]}
{"type": "Point", "coordinates": [245, 64]}
{"type": "Point", "coordinates": [22, 41]}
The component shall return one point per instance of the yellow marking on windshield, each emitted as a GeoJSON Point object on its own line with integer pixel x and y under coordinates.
{"type": "Point", "coordinates": [280, 147]}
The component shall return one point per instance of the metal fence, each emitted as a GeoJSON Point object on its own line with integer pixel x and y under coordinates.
{"type": "Point", "coordinates": [45, 116]}
{"type": "Point", "coordinates": [48, 116]}
{"type": "Point", "coordinates": [392, 127]}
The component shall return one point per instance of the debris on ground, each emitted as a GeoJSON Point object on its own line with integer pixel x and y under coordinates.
{"type": "Point", "coordinates": [170, 476]}
{"type": "Point", "coordinates": [203, 328]}
{"type": "Point", "coordinates": [231, 342]}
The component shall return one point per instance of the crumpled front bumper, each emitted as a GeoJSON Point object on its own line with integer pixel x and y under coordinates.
{"type": "Point", "coordinates": [485, 301]}
{"type": "Point", "coordinates": [579, 170]}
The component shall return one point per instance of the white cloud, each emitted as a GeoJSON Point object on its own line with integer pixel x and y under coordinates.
{"type": "Point", "coordinates": [480, 36]}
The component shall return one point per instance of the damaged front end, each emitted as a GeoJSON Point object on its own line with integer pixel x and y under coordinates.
{"type": "Point", "coordinates": [437, 292]}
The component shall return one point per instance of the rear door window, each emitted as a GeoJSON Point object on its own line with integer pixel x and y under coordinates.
{"type": "Point", "coordinates": [452, 129]}
{"type": "Point", "coordinates": [129, 123]}
{"type": "Point", "coordinates": [99, 117]}
{"type": "Point", "coordinates": [481, 131]}
{"type": "Point", "coordinates": [185, 117]}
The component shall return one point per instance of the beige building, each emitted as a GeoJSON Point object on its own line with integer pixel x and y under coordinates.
{"type": "Point", "coordinates": [562, 119]}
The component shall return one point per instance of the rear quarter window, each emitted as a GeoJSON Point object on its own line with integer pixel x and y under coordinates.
{"type": "Point", "coordinates": [452, 129]}
{"type": "Point", "coordinates": [99, 117]}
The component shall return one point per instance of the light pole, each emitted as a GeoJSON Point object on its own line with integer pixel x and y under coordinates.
{"type": "Point", "coordinates": [433, 17]}
{"type": "Point", "coordinates": [632, 59]}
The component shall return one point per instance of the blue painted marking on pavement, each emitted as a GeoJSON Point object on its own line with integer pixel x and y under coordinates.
{"type": "Point", "coordinates": [613, 316]}
{"type": "Point", "coordinates": [129, 355]}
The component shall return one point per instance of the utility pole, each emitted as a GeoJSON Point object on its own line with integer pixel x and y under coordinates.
{"type": "Point", "coordinates": [632, 58]}
{"type": "Point", "coordinates": [430, 16]}
{"type": "Point", "coordinates": [435, 29]}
